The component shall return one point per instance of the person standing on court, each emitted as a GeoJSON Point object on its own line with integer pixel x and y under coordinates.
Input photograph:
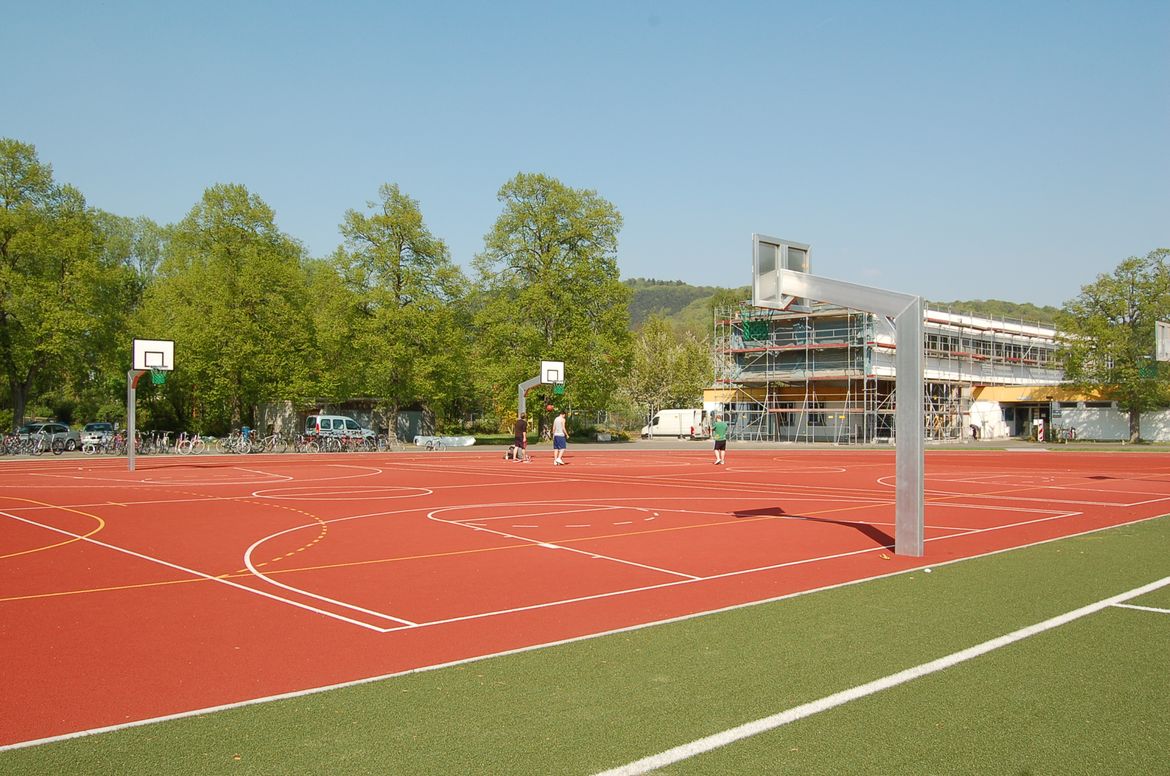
{"type": "Point", "coordinates": [560, 439]}
{"type": "Point", "coordinates": [521, 439]}
{"type": "Point", "coordinates": [719, 434]}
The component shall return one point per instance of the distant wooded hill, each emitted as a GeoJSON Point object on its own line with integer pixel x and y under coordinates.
{"type": "Point", "coordinates": [689, 307]}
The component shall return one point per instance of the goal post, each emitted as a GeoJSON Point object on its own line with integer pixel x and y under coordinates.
{"type": "Point", "coordinates": [781, 281]}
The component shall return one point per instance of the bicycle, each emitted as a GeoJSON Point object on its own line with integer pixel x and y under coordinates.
{"type": "Point", "coordinates": [435, 445]}
{"type": "Point", "coordinates": [190, 445]}
{"type": "Point", "coordinates": [45, 443]}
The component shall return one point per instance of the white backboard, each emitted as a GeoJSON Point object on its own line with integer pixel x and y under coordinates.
{"type": "Point", "coordinates": [552, 371]}
{"type": "Point", "coordinates": [154, 354]}
{"type": "Point", "coordinates": [1162, 341]}
{"type": "Point", "coordinates": [769, 255]}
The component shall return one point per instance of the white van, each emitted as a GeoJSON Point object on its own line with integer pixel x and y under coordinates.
{"type": "Point", "coordinates": [335, 425]}
{"type": "Point", "coordinates": [693, 424]}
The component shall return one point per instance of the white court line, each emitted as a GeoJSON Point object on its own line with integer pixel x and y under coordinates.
{"type": "Point", "coordinates": [433, 515]}
{"type": "Point", "coordinates": [598, 508]}
{"type": "Point", "coordinates": [686, 578]}
{"type": "Point", "coordinates": [709, 743]}
{"type": "Point", "coordinates": [193, 572]}
{"type": "Point", "coordinates": [1143, 608]}
{"type": "Point", "coordinates": [257, 573]}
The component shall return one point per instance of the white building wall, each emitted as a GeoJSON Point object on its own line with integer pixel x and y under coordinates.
{"type": "Point", "coordinates": [1156, 426]}
{"type": "Point", "coordinates": [988, 416]}
{"type": "Point", "coordinates": [1096, 422]}
{"type": "Point", "coordinates": [1092, 423]}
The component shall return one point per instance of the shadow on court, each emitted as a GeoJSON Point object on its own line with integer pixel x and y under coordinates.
{"type": "Point", "coordinates": [878, 536]}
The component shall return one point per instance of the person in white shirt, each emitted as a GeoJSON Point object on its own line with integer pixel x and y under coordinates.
{"type": "Point", "coordinates": [560, 439]}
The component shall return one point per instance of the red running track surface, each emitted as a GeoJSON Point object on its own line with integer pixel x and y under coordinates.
{"type": "Point", "coordinates": [193, 583]}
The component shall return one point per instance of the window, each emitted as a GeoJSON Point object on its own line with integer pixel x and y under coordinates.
{"type": "Point", "coordinates": [816, 418]}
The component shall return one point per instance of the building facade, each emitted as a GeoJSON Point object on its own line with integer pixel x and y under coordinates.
{"type": "Point", "coordinates": [827, 374]}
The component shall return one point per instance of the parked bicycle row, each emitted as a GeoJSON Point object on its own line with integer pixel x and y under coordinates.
{"type": "Point", "coordinates": [167, 443]}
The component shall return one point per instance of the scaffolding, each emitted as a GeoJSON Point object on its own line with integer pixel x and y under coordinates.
{"type": "Point", "coordinates": [826, 374]}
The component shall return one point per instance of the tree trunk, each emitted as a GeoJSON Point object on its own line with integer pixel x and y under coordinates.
{"type": "Point", "coordinates": [1135, 426]}
{"type": "Point", "coordinates": [18, 399]}
{"type": "Point", "coordinates": [20, 389]}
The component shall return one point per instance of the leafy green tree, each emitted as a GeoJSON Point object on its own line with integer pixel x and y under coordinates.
{"type": "Point", "coordinates": [135, 246]}
{"type": "Point", "coordinates": [56, 285]}
{"type": "Point", "coordinates": [334, 315]}
{"type": "Point", "coordinates": [404, 318]}
{"type": "Point", "coordinates": [667, 369]}
{"type": "Point", "coordinates": [1109, 336]}
{"type": "Point", "coordinates": [232, 292]}
{"type": "Point", "coordinates": [550, 290]}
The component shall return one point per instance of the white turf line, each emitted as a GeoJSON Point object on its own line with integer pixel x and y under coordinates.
{"type": "Point", "coordinates": [709, 743]}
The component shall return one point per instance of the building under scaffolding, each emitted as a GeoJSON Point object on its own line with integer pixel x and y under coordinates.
{"type": "Point", "coordinates": [826, 374]}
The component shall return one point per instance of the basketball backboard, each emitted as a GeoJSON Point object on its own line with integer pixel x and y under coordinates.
{"type": "Point", "coordinates": [154, 354]}
{"type": "Point", "coordinates": [1162, 341]}
{"type": "Point", "coordinates": [552, 372]}
{"type": "Point", "coordinates": [770, 254]}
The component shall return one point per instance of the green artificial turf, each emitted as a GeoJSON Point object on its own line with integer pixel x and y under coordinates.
{"type": "Point", "coordinates": [1090, 697]}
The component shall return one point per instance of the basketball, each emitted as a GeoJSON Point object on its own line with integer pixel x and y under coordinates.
{"type": "Point", "coordinates": [549, 407]}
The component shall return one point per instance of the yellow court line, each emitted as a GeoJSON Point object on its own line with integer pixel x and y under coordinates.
{"type": "Point", "coordinates": [101, 524]}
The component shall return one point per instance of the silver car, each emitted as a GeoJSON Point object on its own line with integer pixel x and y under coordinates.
{"type": "Point", "coordinates": [55, 430]}
{"type": "Point", "coordinates": [96, 432]}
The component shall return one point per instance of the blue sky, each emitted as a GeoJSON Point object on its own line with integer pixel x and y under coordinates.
{"type": "Point", "coordinates": [1009, 150]}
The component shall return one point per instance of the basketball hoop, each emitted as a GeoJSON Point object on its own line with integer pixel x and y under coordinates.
{"type": "Point", "coordinates": [558, 389]}
{"type": "Point", "coordinates": [158, 376]}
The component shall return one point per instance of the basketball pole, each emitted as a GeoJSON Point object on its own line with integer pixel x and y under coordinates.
{"type": "Point", "coordinates": [523, 389]}
{"type": "Point", "coordinates": [131, 403]}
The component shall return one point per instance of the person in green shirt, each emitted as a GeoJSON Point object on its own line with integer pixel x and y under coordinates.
{"type": "Point", "coordinates": [719, 434]}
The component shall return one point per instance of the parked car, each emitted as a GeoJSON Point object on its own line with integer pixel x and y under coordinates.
{"type": "Point", "coordinates": [96, 432]}
{"type": "Point", "coordinates": [336, 425]}
{"type": "Point", "coordinates": [55, 430]}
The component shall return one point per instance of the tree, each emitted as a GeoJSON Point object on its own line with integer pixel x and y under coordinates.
{"type": "Point", "coordinates": [1109, 336]}
{"type": "Point", "coordinates": [232, 292]}
{"type": "Point", "coordinates": [56, 286]}
{"type": "Point", "coordinates": [550, 290]}
{"type": "Point", "coordinates": [403, 290]}
{"type": "Point", "coordinates": [135, 247]}
{"type": "Point", "coordinates": [667, 370]}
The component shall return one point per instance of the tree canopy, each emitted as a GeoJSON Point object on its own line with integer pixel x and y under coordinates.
{"type": "Point", "coordinates": [1109, 335]}
{"type": "Point", "coordinates": [403, 315]}
{"type": "Point", "coordinates": [59, 290]}
{"type": "Point", "coordinates": [667, 369]}
{"type": "Point", "coordinates": [232, 293]}
{"type": "Point", "coordinates": [549, 289]}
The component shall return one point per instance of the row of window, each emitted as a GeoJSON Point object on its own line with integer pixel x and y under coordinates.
{"type": "Point", "coordinates": [1010, 351]}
